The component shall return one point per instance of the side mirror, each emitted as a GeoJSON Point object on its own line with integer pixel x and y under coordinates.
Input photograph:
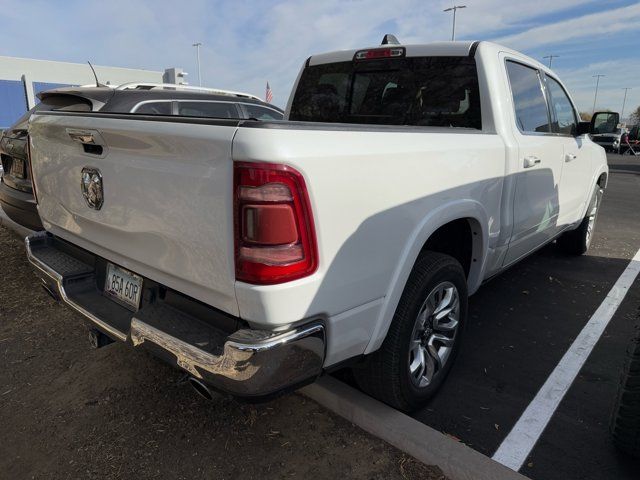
{"type": "Point", "coordinates": [583, 128]}
{"type": "Point", "coordinates": [604, 122]}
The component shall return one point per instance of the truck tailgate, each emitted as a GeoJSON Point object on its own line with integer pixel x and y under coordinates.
{"type": "Point", "coordinates": [167, 195]}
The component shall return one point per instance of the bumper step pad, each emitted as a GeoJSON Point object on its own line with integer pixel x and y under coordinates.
{"type": "Point", "coordinates": [248, 362]}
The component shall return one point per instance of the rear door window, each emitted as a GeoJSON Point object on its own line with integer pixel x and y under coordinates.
{"type": "Point", "coordinates": [208, 109]}
{"type": "Point", "coordinates": [529, 101]}
{"type": "Point", "coordinates": [565, 121]}
{"type": "Point", "coordinates": [421, 91]}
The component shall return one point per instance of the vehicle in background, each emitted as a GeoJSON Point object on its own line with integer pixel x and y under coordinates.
{"type": "Point", "coordinates": [16, 195]}
{"type": "Point", "coordinates": [607, 131]}
{"type": "Point", "coordinates": [630, 141]}
{"type": "Point", "coordinates": [258, 255]}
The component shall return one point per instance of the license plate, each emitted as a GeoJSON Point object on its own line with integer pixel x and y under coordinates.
{"type": "Point", "coordinates": [17, 167]}
{"type": "Point", "coordinates": [123, 286]}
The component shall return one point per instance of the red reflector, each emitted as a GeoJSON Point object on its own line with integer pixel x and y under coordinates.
{"type": "Point", "coordinates": [33, 180]}
{"type": "Point", "coordinates": [269, 224]}
{"type": "Point", "coordinates": [274, 234]}
{"type": "Point", "coordinates": [379, 53]}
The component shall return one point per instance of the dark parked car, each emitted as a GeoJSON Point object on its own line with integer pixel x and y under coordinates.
{"type": "Point", "coordinates": [16, 195]}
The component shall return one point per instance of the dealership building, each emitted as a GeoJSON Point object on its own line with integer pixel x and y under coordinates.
{"type": "Point", "coordinates": [22, 78]}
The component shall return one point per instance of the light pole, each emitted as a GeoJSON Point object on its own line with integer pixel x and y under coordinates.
{"type": "Point", "coordinates": [551, 57]}
{"type": "Point", "coordinates": [626, 89]}
{"type": "Point", "coordinates": [454, 8]}
{"type": "Point", "coordinates": [595, 97]}
{"type": "Point", "coordinates": [198, 45]}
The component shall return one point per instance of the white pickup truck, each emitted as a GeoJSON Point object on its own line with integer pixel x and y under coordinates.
{"type": "Point", "coordinates": [257, 255]}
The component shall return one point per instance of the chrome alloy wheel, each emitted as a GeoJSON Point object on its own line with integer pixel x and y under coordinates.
{"type": "Point", "coordinates": [592, 220]}
{"type": "Point", "coordinates": [434, 334]}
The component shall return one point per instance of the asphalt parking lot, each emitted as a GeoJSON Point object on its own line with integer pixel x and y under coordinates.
{"type": "Point", "coordinates": [522, 323]}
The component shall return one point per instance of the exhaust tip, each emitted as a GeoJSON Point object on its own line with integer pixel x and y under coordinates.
{"type": "Point", "coordinates": [200, 388]}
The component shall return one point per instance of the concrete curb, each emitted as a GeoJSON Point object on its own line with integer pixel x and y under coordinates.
{"type": "Point", "coordinates": [13, 226]}
{"type": "Point", "coordinates": [455, 459]}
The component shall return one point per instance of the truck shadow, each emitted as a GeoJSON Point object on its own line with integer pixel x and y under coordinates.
{"type": "Point", "coordinates": [374, 261]}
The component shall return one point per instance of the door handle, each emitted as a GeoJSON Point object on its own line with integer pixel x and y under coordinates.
{"type": "Point", "coordinates": [531, 160]}
{"type": "Point", "coordinates": [91, 141]}
{"type": "Point", "coordinates": [82, 136]}
{"type": "Point", "coordinates": [569, 157]}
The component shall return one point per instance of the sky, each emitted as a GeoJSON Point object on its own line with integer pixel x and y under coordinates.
{"type": "Point", "coordinates": [249, 42]}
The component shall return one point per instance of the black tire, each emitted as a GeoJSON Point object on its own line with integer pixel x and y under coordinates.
{"type": "Point", "coordinates": [385, 374]}
{"type": "Point", "coordinates": [625, 418]}
{"type": "Point", "coordinates": [577, 242]}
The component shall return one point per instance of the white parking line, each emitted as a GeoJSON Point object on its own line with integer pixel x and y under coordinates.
{"type": "Point", "coordinates": [517, 446]}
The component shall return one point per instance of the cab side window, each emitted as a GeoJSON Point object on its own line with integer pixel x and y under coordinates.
{"type": "Point", "coordinates": [565, 121]}
{"type": "Point", "coordinates": [154, 108]}
{"type": "Point", "coordinates": [529, 102]}
{"type": "Point", "coordinates": [207, 109]}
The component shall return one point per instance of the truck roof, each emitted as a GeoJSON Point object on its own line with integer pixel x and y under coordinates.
{"type": "Point", "coordinates": [433, 49]}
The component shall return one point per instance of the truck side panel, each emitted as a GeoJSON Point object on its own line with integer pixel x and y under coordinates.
{"type": "Point", "coordinates": [373, 193]}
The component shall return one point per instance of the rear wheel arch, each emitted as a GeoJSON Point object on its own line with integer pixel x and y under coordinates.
{"type": "Point", "coordinates": [464, 216]}
{"type": "Point", "coordinates": [460, 239]}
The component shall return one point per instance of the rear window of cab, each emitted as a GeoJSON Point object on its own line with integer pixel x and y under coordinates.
{"type": "Point", "coordinates": [420, 91]}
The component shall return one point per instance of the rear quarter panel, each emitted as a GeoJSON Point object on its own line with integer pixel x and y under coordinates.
{"type": "Point", "coordinates": [376, 196]}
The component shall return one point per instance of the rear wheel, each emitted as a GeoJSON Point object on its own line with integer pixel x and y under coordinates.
{"type": "Point", "coordinates": [423, 338]}
{"type": "Point", "coordinates": [625, 419]}
{"type": "Point", "coordinates": [577, 242]}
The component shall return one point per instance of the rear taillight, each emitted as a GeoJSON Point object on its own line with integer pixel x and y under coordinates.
{"type": "Point", "coordinates": [33, 182]}
{"type": "Point", "coordinates": [275, 239]}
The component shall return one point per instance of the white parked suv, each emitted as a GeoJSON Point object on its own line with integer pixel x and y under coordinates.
{"type": "Point", "coordinates": [256, 255]}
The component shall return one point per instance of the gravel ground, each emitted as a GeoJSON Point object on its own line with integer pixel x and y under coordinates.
{"type": "Point", "coordinates": [67, 411]}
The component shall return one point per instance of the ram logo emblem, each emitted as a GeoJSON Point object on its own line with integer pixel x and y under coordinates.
{"type": "Point", "coordinates": [92, 189]}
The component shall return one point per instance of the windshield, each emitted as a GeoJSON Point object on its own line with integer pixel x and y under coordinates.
{"type": "Point", "coordinates": [423, 91]}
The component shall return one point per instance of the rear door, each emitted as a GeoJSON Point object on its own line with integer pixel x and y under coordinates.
{"type": "Point", "coordinates": [540, 159]}
{"type": "Point", "coordinates": [576, 169]}
{"type": "Point", "coordinates": [166, 210]}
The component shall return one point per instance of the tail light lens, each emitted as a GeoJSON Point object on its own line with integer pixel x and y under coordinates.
{"type": "Point", "coordinates": [275, 239]}
{"type": "Point", "coordinates": [33, 181]}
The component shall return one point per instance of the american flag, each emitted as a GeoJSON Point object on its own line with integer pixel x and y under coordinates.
{"type": "Point", "coordinates": [268, 96]}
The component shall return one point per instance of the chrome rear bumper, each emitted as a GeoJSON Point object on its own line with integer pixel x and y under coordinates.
{"type": "Point", "coordinates": [245, 362]}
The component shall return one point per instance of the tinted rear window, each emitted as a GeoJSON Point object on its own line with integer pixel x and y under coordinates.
{"type": "Point", "coordinates": [71, 103]}
{"type": "Point", "coordinates": [207, 109]}
{"type": "Point", "coordinates": [425, 91]}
